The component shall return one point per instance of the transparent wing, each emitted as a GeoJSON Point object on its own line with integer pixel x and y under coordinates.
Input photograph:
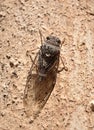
{"type": "Point", "coordinates": [37, 92]}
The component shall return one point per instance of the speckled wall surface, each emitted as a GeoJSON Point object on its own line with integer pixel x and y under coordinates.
{"type": "Point", "coordinates": [68, 107]}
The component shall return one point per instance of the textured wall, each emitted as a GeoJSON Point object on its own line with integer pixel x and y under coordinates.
{"type": "Point", "coordinates": [68, 106]}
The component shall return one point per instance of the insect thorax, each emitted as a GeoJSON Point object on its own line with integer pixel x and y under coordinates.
{"type": "Point", "coordinates": [48, 54]}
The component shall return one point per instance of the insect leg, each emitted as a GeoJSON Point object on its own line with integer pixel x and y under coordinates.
{"type": "Point", "coordinates": [33, 61]}
{"type": "Point", "coordinates": [62, 42]}
{"type": "Point", "coordinates": [63, 68]}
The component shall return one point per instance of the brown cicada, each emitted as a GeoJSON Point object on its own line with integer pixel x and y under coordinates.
{"type": "Point", "coordinates": [42, 76]}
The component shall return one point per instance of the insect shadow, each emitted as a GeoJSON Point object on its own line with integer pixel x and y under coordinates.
{"type": "Point", "coordinates": [42, 76]}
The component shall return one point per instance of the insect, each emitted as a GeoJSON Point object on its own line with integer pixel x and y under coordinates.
{"type": "Point", "coordinates": [42, 76]}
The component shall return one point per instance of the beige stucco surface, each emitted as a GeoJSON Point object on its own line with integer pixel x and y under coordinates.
{"type": "Point", "coordinates": [68, 107]}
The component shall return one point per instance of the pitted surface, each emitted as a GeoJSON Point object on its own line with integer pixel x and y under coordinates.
{"type": "Point", "coordinates": [68, 107]}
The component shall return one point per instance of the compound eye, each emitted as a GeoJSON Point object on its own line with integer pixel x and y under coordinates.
{"type": "Point", "coordinates": [58, 41]}
{"type": "Point", "coordinates": [48, 38]}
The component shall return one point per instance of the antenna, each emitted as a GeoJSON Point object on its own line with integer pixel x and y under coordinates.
{"type": "Point", "coordinates": [40, 36]}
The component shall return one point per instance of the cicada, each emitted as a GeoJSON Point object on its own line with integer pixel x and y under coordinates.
{"type": "Point", "coordinates": [42, 76]}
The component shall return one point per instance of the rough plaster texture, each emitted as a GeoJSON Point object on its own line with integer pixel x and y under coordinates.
{"type": "Point", "coordinates": [68, 106]}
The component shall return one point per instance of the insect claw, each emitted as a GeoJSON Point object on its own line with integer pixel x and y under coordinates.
{"type": "Point", "coordinates": [66, 68]}
{"type": "Point", "coordinates": [62, 42]}
{"type": "Point", "coordinates": [63, 68]}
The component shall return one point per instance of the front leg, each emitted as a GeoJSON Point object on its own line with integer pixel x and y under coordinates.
{"type": "Point", "coordinates": [63, 68]}
{"type": "Point", "coordinates": [33, 60]}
